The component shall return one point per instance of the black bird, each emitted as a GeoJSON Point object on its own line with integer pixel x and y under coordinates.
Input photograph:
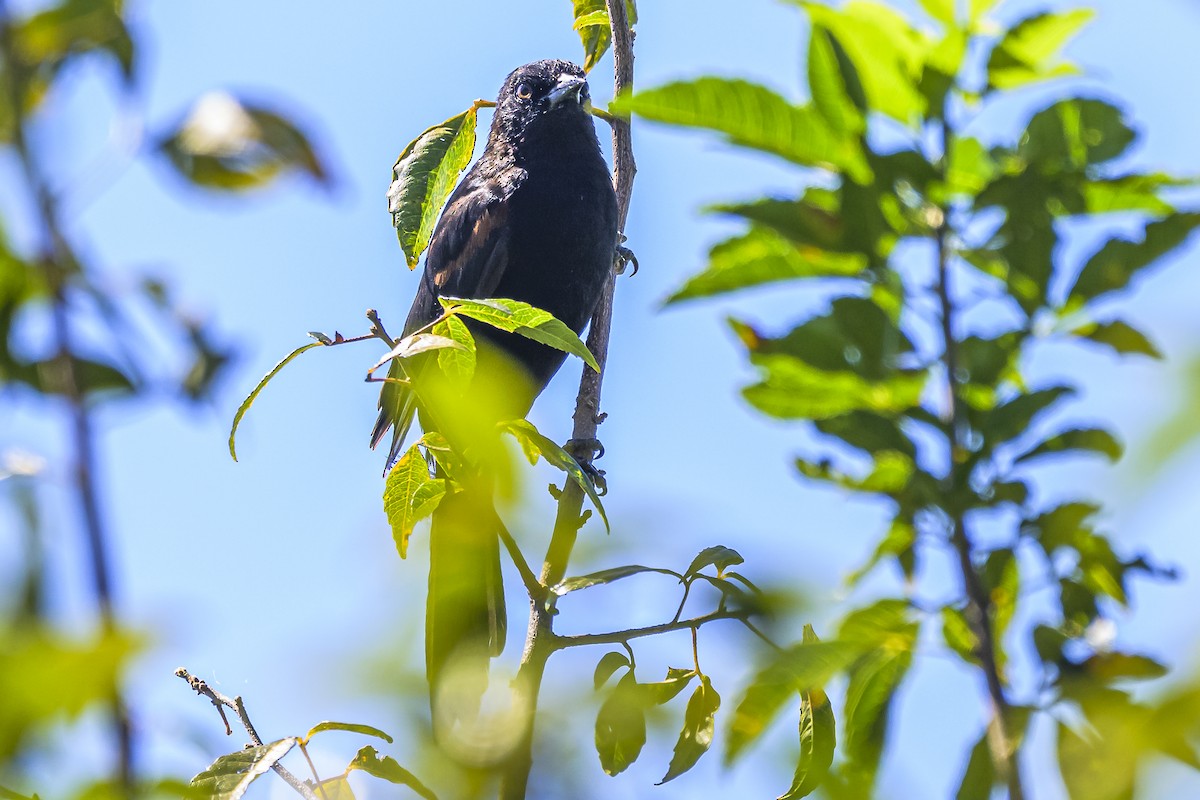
{"type": "Point", "coordinates": [534, 219]}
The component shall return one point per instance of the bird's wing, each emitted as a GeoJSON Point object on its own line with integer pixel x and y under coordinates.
{"type": "Point", "coordinates": [467, 256]}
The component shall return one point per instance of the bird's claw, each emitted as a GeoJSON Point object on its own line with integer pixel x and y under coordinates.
{"type": "Point", "coordinates": [585, 452]}
{"type": "Point", "coordinates": [624, 258]}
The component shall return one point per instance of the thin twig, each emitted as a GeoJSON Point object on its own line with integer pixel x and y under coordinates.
{"type": "Point", "coordinates": [1001, 743]}
{"type": "Point", "coordinates": [202, 688]}
{"type": "Point", "coordinates": [535, 589]}
{"type": "Point", "coordinates": [627, 635]}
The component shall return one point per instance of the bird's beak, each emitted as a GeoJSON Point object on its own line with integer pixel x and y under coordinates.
{"type": "Point", "coordinates": [567, 88]}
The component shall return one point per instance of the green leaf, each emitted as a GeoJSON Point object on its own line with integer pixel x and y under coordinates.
{"type": "Point", "coordinates": [1094, 440]}
{"type": "Point", "coordinates": [750, 116]}
{"type": "Point", "coordinates": [349, 727]}
{"type": "Point", "coordinates": [410, 494]}
{"type": "Point", "coordinates": [800, 668]}
{"type": "Point", "coordinates": [970, 168]}
{"type": "Point", "coordinates": [792, 389]}
{"type": "Point", "coordinates": [818, 737]}
{"type": "Point", "coordinates": [250, 398]}
{"type": "Point", "coordinates": [1001, 579]}
{"type": "Point", "coordinates": [591, 20]}
{"type": "Point", "coordinates": [522, 319]}
{"type": "Point", "coordinates": [872, 433]}
{"type": "Point", "coordinates": [660, 692]}
{"type": "Point", "coordinates": [958, 634]}
{"type": "Point", "coordinates": [227, 144]}
{"type": "Point", "coordinates": [367, 759]}
{"type": "Point", "coordinates": [457, 363]}
{"type": "Point", "coordinates": [980, 774]}
{"type": "Point", "coordinates": [886, 51]}
{"type": "Point", "coordinates": [1109, 667]}
{"type": "Point", "coordinates": [697, 734]}
{"type": "Point", "coordinates": [1073, 134]}
{"type": "Point", "coordinates": [1029, 51]}
{"type": "Point", "coordinates": [606, 576]}
{"type": "Point", "coordinates": [1130, 193]}
{"type": "Point", "coordinates": [812, 220]}
{"type": "Point", "coordinates": [941, 10]}
{"type": "Point", "coordinates": [621, 727]}
{"type": "Point", "coordinates": [718, 556]}
{"type": "Point", "coordinates": [828, 87]}
{"type": "Point", "coordinates": [230, 776]}
{"type": "Point", "coordinates": [607, 665]}
{"type": "Point", "coordinates": [1013, 418]}
{"type": "Point", "coordinates": [761, 256]}
{"type": "Point", "coordinates": [899, 542]}
{"type": "Point", "coordinates": [1119, 260]}
{"type": "Point", "coordinates": [46, 40]}
{"type": "Point", "coordinates": [532, 441]}
{"type": "Point", "coordinates": [423, 177]}
{"type": "Point", "coordinates": [416, 344]}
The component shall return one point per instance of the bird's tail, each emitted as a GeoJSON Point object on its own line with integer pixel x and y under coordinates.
{"type": "Point", "coordinates": [397, 407]}
{"type": "Point", "coordinates": [465, 620]}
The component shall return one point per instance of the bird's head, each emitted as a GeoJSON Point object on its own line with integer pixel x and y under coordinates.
{"type": "Point", "coordinates": [539, 97]}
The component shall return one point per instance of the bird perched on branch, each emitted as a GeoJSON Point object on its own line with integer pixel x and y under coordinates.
{"type": "Point", "coordinates": [534, 219]}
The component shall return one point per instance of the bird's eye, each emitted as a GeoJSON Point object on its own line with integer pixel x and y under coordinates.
{"type": "Point", "coordinates": [524, 91]}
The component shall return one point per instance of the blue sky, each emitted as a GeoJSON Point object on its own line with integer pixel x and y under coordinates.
{"type": "Point", "coordinates": [276, 577]}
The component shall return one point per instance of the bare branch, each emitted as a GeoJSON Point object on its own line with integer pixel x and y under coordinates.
{"type": "Point", "coordinates": [202, 688]}
{"type": "Point", "coordinates": [625, 636]}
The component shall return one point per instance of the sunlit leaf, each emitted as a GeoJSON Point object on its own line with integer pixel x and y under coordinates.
{"type": "Point", "coordinates": [828, 86]}
{"type": "Point", "coordinates": [457, 363]}
{"type": "Point", "coordinates": [751, 116]}
{"type": "Point", "coordinates": [718, 556]}
{"type": "Point", "coordinates": [818, 736]}
{"type": "Point", "coordinates": [659, 692]}
{"type": "Point", "coordinates": [813, 220]}
{"type": "Point", "coordinates": [958, 634]}
{"type": "Point", "coordinates": [606, 666]}
{"type": "Point", "coordinates": [761, 256]}
{"type": "Point", "coordinates": [531, 440]}
{"type": "Point", "coordinates": [522, 319]}
{"type": "Point", "coordinates": [367, 759]}
{"type": "Point", "coordinates": [349, 727]}
{"type": "Point", "coordinates": [230, 776]}
{"type": "Point", "coordinates": [410, 494]}
{"type": "Point", "coordinates": [1029, 51]}
{"type": "Point", "coordinates": [1074, 134]}
{"type": "Point", "coordinates": [48, 39]}
{"type": "Point", "coordinates": [792, 389]}
{"type": "Point", "coordinates": [416, 344]}
{"type": "Point", "coordinates": [423, 177]}
{"type": "Point", "coordinates": [591, 20]}
{"type": "Point", "coordinates": [980, 774]}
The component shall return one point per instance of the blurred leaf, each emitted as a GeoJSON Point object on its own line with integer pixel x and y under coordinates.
{"type": "Point", "coordinates": [872, 433]}
{"type": "Point", "coordinates": [818, 736]}
{"type": "Point", "coordinates": [1075, 133]}
{"type": "Point", "coordinates": [812, 220]}
{"type": "Point", "coordinates": [367, 759]}
{"type": "Point", "coordinates": [750, 116]}
{"type": "Point", "coordinates": [410, 494]}
{"type": "Point", "coordinates": [531, 440]}
{"type": "Point", "coordinates": [87, 377]}
{"type": "Point", "coordinates": [1014, 417]}
{"type": "Point", "coordinates": [980, 774]}
{"type": "Point", "coordinates": [591, 20]}
{"type": "Point", "coordinates": [606, 576]}
{"type": "Point", "coordinates": [522, 319]}
{"type": "Point", "coordinates": [349, 727]}
{"type": "Point", "coordinates": [46, 40]}
{"type": "Point", "coordinates": [791, 389]}
{"type": "Point", "coordinates": [760, 256]}
{"type": "Point", "coordinates": [225, 143]}
{"type": "Point", "coordinates": [940, 10]}
{"type": "Point", "coordinates": [1001, 578]}
{"type": "Point", "coordinates": [423, 177]}
{"type": "Point", "coordinates": [898, 542]}
{"type": "Point", "coordinates": [1029, 51]}
{"type": "Point", "coordinates": [606, 666]}
{"type": "Point", "coordinates": [45, 677]}
{"type": "Point", "coordinates": [830, 93]}
{"type": "Point", "coordinates": [958, 635]}
{"type": "Point", "coordinates": [1109, 667]}
{"type": "Point", "coordinates": [1119, 260]}
{"type": "Point", "coordinates": [337, 788]}
{"type": "Point", "coordinates": [799, 668]}
{"type": "Point", "coordinates": [1095, 440]}
{"type": "Point", "coordinates": [718, 556]}
{"type": "Point", "coordinates": [1129, 193]}
{"type": "Point", "coordinates": [230, 776]}
{"type": "Point", "coordinates": [970, 167]}
{"type": "Point", "coordinates": [621, 727]}
{"type": "Point", "coordinates": [697, 734]}
{"type": "Point", "coordinates": [886, 51]}
{"type": "Point", "coordinates": [1122, 337]}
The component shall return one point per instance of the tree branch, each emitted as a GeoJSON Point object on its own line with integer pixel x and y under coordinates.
{"type": "Point", "coordinates": [623, 637]}
{"type": "Point", "coordinates": [539, 639]}
{"type": "Point", "coordinates": [1001, 743]}
{"type": "Point", "coordinates": [223, 701]}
